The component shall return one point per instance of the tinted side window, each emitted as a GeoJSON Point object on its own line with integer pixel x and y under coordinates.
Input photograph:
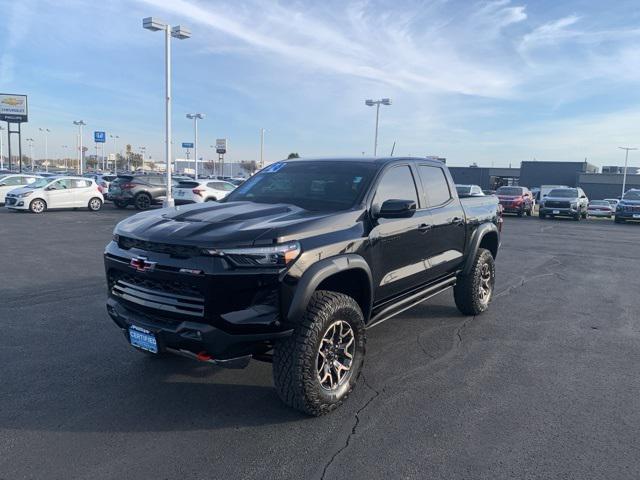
{"type": "Point", "coordinates": [435, 185]}
{"type": "Point", "coordinates": [397, 184]}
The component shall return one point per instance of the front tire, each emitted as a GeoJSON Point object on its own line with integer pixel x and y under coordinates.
{"type": "Point", "coordinates": [473, 292]}
{"type": "Point", "coordinates": [37, 205]}
{"type": "Point", "coordinates": [315, 369]}
{"type": "Point", "coordinates": [95, 204]}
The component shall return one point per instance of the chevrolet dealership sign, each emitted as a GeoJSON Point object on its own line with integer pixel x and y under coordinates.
{"type": "Point", "coordinates": [13, 108]}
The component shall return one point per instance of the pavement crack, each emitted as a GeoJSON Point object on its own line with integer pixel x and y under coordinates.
{"type": "Point", "coordinates": [353, 428]}
{"type": "Point", "coordinates": [524, 279]}
{"type": "Point", "coordinates": [462, 327]}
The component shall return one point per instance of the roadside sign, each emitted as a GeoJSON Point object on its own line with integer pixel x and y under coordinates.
{"type": "Point", "coordinates": [221, 145]}
{"type": "Point", "coordinates": [13, 108]}
{"type": "Point", "coordinates": [187, 145]}
{"type": "Point", "coordinates": [99, 137]}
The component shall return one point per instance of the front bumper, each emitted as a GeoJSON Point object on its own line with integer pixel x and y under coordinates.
{"type": "Point", "coordinates": [599, 213]}
{"type": "Point", "coordinates": [194, 339]}
{"type": "Point", "coordinates": [14, 203]}
{"type": "Point", "coordinates": [628, 215]}
{"type": "Point", "coordinates": [558, 212]}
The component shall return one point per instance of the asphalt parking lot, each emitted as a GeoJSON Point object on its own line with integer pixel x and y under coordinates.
{"type": "Point", "coordinates": [544, 385]}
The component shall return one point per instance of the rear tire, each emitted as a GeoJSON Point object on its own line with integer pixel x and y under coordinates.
{"type": "Point", "coordinates": [38, 206]}
{"type": "Point", "coordinates": [95, 204]}
{"type": "Point", "coordinates": [142, 201]}
{"type": "Point", "coordinates": [315, 369]}
{"type": "Point", "coordinates": [473, 292]}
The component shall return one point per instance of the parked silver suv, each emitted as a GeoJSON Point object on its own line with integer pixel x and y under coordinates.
{"type": "Point", "coordinates": [566, 202]}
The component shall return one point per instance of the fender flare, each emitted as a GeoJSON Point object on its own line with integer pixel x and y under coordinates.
{"type": "Point", "coordinates": [320, 271]}
{"type": "Point", "coordinates": [474, 243]}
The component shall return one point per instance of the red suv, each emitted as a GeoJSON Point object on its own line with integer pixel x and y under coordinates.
{"type": "Point", "coordinates": [518, 200]}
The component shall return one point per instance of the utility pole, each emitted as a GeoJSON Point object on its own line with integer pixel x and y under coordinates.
{"type": "Point", "coordinates": [195, 117]}
{"type": "Point", "coordinates": [80, 124]}
{"type": "Point", "coordinates": [1, 149]}
{"type": "Point", "coordinates": [377, 103]}
{"type": "Point", "coordinates": [626, 161]}
{"type": "Point", "coordinates": [45, 132]}
{"type": "Point", "coordinates": [30, 140]}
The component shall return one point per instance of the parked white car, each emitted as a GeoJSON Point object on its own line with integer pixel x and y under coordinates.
{"type": "Point", "coordinates": [12, 181]}
{"type": "Point", "coordinates": [56, 192]}
{"type": "Point", "coordinates": [202, 190]}
{"type": "Point", "coordinates": [600, 208]}
{"type": "Point", "coordinates": [613, 201]}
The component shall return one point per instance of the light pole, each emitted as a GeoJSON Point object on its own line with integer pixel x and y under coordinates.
{"type": "Point", "coordinates": [45, 132]}
{"type": "Point", "coordinates": [195, 117]}
{"type": "Point", "coordinates": [1, 149]}
{"type": "Point", "coordinates": [30, 140]}
{"type": "Point", "coordinates": [80, 124]}
{"type": "Point", "coordinates": [377, 103]}
{"type": "Point", "coordinates": [142, 152]}
{"type": "Point", "coordinates": [626, 160]}
{"type": "Point", "coordinates": [115, 151]}
{"type": "Point", "coordinates": [66, 154]}
{"type": "Point", "coordinates": [181, 33]}
{"type": "Point", "coordinates": [262, 130]}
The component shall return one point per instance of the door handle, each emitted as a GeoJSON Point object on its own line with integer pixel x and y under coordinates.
{"type": "Point", "coordinates": [424, 227]}
{"type": "Point", "coordinates": [456, 221]}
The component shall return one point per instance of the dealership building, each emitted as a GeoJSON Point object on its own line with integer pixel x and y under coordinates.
{"type": "Point", "coordinates": [534, 174]}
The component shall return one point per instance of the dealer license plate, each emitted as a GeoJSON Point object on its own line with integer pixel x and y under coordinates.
{"type": "Point", "coordinates": [144, 339]}
{"type": "Point", "coordinates": [556, 212]}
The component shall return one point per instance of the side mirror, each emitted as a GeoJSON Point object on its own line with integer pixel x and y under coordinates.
{"type": "Point", "coordinates": [583, 196]}
{"type": "Point", "coordinates": [2, 184]}
{"type": "Point", "coordinates": [544, 195]}
{"type": "Point", "coordinates": [397, 209]}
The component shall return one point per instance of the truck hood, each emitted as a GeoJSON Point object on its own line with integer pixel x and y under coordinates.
{"type": "Point", "coordinates": [561, 199]}
{"type": "Point", "coordinates": [629, 202]}
{"type": "Point", "coordinates": [233, 224]}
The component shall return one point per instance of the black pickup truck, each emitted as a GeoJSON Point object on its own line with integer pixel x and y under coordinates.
{"type": "Point", "coordinates": [296, 263]}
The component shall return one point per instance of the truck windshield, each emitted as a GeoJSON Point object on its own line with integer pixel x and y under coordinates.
{"type": "Point", "coordinates": [632, 195]}
{"type": "Point", "coordinates": [312, 185]}
{"type": "Point", "coordinates": [563, 193]}
{"type": "Point", "coordinates": [510, 191]}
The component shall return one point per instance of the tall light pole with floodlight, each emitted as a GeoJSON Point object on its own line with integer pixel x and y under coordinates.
{"type": "Point", "coordinates": [79, 124]}
{"type": "Point", "coordinates": [30, 140]}
{"type": "Point", "coordinates": [115, 150]}
{"type": "Point", "coordinates": [181, 33]}
{"type": "Point", "coordinates": [65, 149]}
{"type": "Point", "coordinates": [45, 132]}
{"type": "Point", "coordinates": [626, 161]}
{"type": "Point", "coordinates": [195, 117]}
{"type": "Point", "coordinates": [377, 103]}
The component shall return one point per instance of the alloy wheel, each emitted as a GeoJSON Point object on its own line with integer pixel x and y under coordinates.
{"type": "Point", "coordinates": [335, 355]}
{"type": "Point", "coordinates": [486, 285]}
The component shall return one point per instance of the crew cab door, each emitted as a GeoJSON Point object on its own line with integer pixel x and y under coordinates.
{"type": "Point", "coordinates": [397, 244]}
{"type": "Point", "coordinates": [447, 235]}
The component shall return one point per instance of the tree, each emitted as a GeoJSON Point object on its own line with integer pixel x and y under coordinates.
{"type": "Point", "coordinates": [250, 166]}
{"type": "Point", "coordinates": [293, 155]}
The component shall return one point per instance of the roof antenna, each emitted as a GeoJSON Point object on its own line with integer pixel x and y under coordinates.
{"type": "Point", "coordinates": [393, 148]}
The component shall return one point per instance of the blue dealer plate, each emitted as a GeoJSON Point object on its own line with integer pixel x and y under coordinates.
{"type": "Point", "coordinates": [144, 339]}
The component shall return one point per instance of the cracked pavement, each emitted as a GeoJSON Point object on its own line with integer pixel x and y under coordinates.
{"type": "Point", "coordinates": [543, 385]}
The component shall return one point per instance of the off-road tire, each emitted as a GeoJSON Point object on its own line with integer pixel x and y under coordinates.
{"type": "Point", "coordinates": [142, 201]}
{"type": "Point", "coordinates": [295, 358]}
{"type": "Point", "coordinates": [38, 206]}
{"type": "Point", "coordinates": [466, 292]}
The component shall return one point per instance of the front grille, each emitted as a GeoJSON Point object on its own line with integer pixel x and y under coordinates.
{"type": "Point", "coordinates": [557, 204]}
{"type": "Point", "coordinates": [168, 296]}
{"type": "Point", "coordinates": [632, 208]}
{"type": "Point", "coordinates": [175, 251]}
{"type": "Point", "coordinates": [10, 201]}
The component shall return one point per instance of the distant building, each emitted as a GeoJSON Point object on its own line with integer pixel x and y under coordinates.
{"type": "Point", "coordinates": [535, 174]}
{"type": "Point", "coordinates": [489, 178]}
{"type": "Point", "coordinates": [606, 185]}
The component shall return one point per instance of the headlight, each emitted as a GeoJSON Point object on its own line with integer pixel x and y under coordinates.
{"type": "Point", "coordinates": [23, 195]}
{"type": "Point", "coordinates": [278, 256]}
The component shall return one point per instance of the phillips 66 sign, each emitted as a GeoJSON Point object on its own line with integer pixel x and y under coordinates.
{"type": "Point", "coordinates": [221, 145]}
{"type": "Point", "coordinates": [13, 108]}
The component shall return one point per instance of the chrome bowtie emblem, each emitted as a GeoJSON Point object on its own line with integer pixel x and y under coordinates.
{"type": "Point", "coordinates": [141, 264]}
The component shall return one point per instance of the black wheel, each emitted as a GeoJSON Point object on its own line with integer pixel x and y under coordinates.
{"type": "Point", "coordinates": [520, 212]}
{"type": "Point", "coordinates": [120, 204]}
{"type": "Point", "coordinates": [95, 204]}
{"type": "Point", "coordinates": [142, 201]}
{"type": "Point", "coordinates": [37, 205]}
{"type": "Point", "coordinates": [474, 291]}
{"type": "Point", "coordinates": [315, 369]}
{"type": "Point", "coordinates": [542, 216]}
{"type": "Point", "coordinates": [618, 219]}
{"type": "Point", "coordinates": [530, 211]}
{"type": "Point", "coordinates": [577, 217]}
{"type": "Point", "coordinates": [585, 214]}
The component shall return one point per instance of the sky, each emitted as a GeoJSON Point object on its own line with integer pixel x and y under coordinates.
{"type": "Point", "coordinates": [488, 82]}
